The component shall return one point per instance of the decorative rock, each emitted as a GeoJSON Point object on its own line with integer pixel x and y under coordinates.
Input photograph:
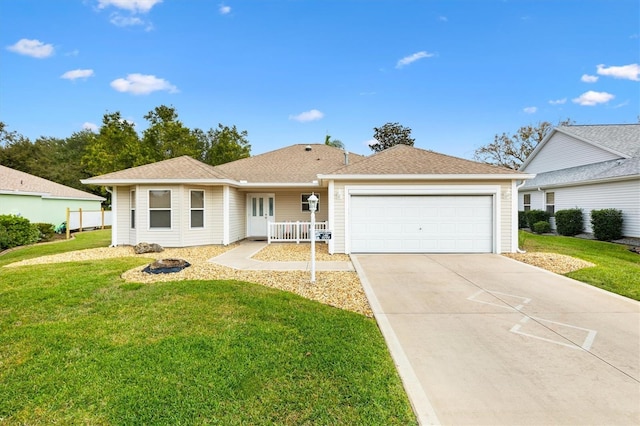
{"type": "Point", "coordinates": [147, 248]}
{"type": "Point", "coordinates": [166, 266]}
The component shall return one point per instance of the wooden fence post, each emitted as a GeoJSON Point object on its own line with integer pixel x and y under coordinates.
{"type": "Point", "coordinates": [67, 222]}
{"type": "Point", "coordinates": [80, 211]}
{"type": "Point", "coordinates": [102, 215]}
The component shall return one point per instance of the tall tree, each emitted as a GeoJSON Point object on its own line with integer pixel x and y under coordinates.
{"type": "Point", "coordinates": [336, 143]}
{"type": "Point", "coordinates": [115, 147]}
{"type": "Point", "coordinates": [16, 151]}
{"type": "Point", "coordinates": [512, 150]}
{"type": "Point", "coordinates": [225, 144]}
{"type": "Point", "coordinates": [167, 137]}
{"type": "Point", "coordinates": [389, 135]}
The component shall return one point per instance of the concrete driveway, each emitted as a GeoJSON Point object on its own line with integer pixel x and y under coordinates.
{"type": "Point", "coordinates": [483, 339]}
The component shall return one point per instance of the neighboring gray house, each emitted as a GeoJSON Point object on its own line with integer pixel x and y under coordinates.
{"type": "Point", "coordinates": [588, 167]}
{"type": "Point", "coordinates": [403, 199]}
{"type": "Point", "coordinates": [41, 200]}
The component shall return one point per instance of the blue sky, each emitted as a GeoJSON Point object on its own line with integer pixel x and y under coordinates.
{"type": "Point", "coordinates": [456, 72]}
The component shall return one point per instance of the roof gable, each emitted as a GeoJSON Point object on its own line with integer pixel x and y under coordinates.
{"type": "Point", "coordinates": [611, 141]}
{"type": "Point", "coordinates": [17, 182]}
{"type": "Point", "coordinates": [407, 160]}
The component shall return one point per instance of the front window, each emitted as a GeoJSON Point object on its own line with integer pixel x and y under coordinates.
{"type": "Point", "coordinates": [159, 209]}
{"type": "Point", "coordinates": [551, 203]}
{"type": "Point", "coordinates": [197, 209]}
{"type": "Point", "coordinates": [132, 203]}
{"type": "Point", "coordinates": [305, 202]}
{"type": "Point", "coordinates": [527, 202]}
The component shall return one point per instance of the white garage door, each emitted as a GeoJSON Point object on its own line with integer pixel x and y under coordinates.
{"type": "Point", "coordinates": [421, 224]}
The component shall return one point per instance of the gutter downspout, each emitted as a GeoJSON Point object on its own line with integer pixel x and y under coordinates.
{"type": "Point", "coordinates": [518, 250]}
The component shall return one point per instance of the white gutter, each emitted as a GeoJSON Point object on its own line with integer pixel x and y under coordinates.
{"type": "Point", "coordinates": [430, 177]}
{"type": "Point", "coordinates": [518, 250]}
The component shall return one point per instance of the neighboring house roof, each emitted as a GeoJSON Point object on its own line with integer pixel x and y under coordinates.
{"type": "Point", "coordinates": [407, 160]}
{"type": "Point", "coordinates": [305, 164]}
{"type": "Point", "coordinates": [590, 173]}
{"type": "Point", "coordinates": [20, 183]}
{"type": "Point", "coordinates": [300, 163]}
{"type": "Point", "coordinates": [621, 139]}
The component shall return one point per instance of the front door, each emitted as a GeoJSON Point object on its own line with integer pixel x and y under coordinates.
{"type": "Point", "coordinates": [260, 212]}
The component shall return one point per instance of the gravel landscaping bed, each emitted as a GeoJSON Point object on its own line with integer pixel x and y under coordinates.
{"type": "Point", "coordinates": [558, 263]}
{"type": "Point", "coordinates": [335, 288]}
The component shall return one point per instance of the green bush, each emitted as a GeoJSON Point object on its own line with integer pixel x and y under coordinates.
{"type": "Point", "coordinates": [607, 224]}
{"type": "Point", "coordinates": [522, 219]}
{"type": "Point", "coordinates": [46, 231]}
{"type": "Point", "coordinates": [17, 231]}
{"type": "Point", "coordinates": [534, 216]}
{"type": "Point", "coordinates": [541, 227]}
{"type": "Point", "coordinates": [569, 222]}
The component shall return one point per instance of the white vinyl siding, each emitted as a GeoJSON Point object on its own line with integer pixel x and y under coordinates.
{"type": "Point", "coordinates": [288, 206]}
{"type": "Point", "coordinates": [237, 215]}
{"type": "Point", "coordinates": [623, 196]}
{"type": "Point", "coordinates": [122, 216]}
{"type": "Point", "coordinates": [562, 152]}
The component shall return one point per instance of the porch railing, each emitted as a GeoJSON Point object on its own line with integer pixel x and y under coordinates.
{"type": "Point", "coordinates": [292, 231]}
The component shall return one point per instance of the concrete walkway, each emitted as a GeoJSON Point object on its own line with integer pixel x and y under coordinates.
{"type": "Point", "coordinates": [240, 258]}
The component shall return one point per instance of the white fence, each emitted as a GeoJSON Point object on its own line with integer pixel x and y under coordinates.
{"type": "Point", "coordinates": [292, 231]}
{"type": "Point", "coordinates": [85, 219]}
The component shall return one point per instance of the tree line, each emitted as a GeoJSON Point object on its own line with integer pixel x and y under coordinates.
{"type": "Point", "coordinates": [117, 146]}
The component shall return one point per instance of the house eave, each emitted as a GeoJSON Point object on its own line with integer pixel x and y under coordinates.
{"type": "Point", "coordinates": [579, 183]}
{"type": "Point", "coordinates": [413, 177]}
{"type": "Point", "coordinates": [47, 195]}
{"type": "Point", "coordinates": [127, 182]}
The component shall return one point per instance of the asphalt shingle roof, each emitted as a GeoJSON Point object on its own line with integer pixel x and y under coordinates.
{"type": "Point", "coordinates": [622, 138]}
{"type": "Point", "coordinates": [184, 167]}
{"type": "Point", "coordinates": [408, 160]}
{"type": "Point", "coordinates": [15, 181]}
{"type": "Point", "coordinates": [301, 163]}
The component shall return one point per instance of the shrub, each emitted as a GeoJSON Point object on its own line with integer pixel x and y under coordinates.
{"type": "Point", "coordinates": [569, 222]}
{"type": "Point", "coordinates": [541, 227]}
{"type": "Point", "coordinates": [17, 231]}
{"type": "Point", "coordinates": [522, 219]}
{"type": "Point", "coordinates": [607, 224]}
{"type": "Point", "coordinates": [534, 216]}
{"type": "Point", "coordinates": [46, 231]}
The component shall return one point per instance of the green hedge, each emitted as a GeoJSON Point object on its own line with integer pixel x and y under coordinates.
{"type": "Point", "coordinates": [541, 227]}
{"type": "Point", "coordinates": [607, 224]}
{"type": "Point", "coordinates": [534, 216]}
{"type": "Point", "coordinates": [46, 231]}
{"type": "Point", "coordinates": [522, 219]}
{"type": "Point", "coordinates": [569, 222]}
{"type": "Point", "coordinates": [17, 231]}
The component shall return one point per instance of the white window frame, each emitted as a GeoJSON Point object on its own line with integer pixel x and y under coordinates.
{"type": "Point", "coordinates": [526, 206]}
{"type": "Point", "coordinates": [169, 209]}
{"type": "Point", "coordinates": [132, 208]}
{"type": "Point", "coordinates": [550, 206]}
{"type": "Point", "coordinates": [304, 202]}
{"type": "Point", "coordinates": [194, 209]}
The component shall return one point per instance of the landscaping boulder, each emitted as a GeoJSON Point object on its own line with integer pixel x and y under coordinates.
{"type": "Point", "coordinates": [147, 248]}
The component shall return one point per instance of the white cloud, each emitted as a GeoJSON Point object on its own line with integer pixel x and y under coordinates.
{"type": "Point", "coordinates": [136, 6]}
{"type": "Point", "coordinates": [125, 21]}
{"type": "Point", "coordinates": [586, 78]}
{"type": "Point", "coordinates": [558, 101]}
{"type": "Point", "coordinates": [90, 126]}
{"type": "Point", "coordinates": [33, 48]}
{"type": "Point", "coordinates": [371, 142]}
{"type": "Point", "coordinates": [627, 72]}
{"type": "Point", "coordinates": [224, 10]}
{"type": "Point", "coordinates": [311, 115]}
{"type": "Point", "coordinates": [412, 58]}
{"type": "Point", "coordinates": [140, 84]}
{"type": "Point", "coordinates": [592, 98]}
{"type": "Point", "coordinates": [74, 74]}
{"type": "Point", "coordinates": [530, 110]}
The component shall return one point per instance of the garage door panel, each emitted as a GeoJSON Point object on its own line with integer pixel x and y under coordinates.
{"type": "Point", "coordinates": [413, 224]}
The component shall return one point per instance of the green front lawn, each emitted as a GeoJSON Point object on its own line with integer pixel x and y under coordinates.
{"type": "Point", "coordinates": [617, 269]}
{"type": "Point", "coordinates": [78, 345]}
